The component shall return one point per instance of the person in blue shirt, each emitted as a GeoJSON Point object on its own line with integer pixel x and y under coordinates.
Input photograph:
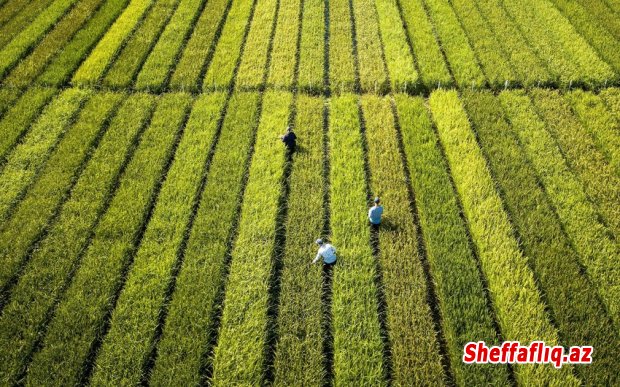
{"type": "Point", "coordinates": [375, 212]}
{"type": "Point", "coordinates": [289, 139]}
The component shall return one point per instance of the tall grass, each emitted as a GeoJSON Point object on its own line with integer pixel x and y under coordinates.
{"type": "Point", "coordinates": [284, 51]}
{"type": "Point", "coordinates": [369, 49]}
{"type": "Point", "coordinates": [341, 67]}
{"type": "Point", "coordinates": [520, 310]}
{"type": "Point", "coordinates": [312, 47]}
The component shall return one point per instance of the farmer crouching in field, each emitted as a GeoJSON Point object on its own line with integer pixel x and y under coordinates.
{"type": "Point", "coordinates": [327, 252]}
{"type": "Point", "coordinates": [375, 212]}
{"type": "Point", "coordinates": [289, 139]}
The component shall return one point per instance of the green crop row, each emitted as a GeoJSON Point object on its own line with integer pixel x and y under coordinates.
{"type": "Point", "coordinates": [29, 36]}
{"type": "Point", "coordinates": [23, 74]}
{"type": "Point", "coordinates": [99, 60]}
{"type": "Point", "coordinates": [590, 238]}
{"type": "Point", "coordinates": [299, 353]}
{"type": "Point", "coordinates": [188, 70]}
{"type": "Point", "coordinates": [18, 119]}
{"type": "Point", "coordinates": [67, 59]}
{"type": "Point", "coordinates": [127, 347]}
{"type": "Point", "coordinates": [460, 55]}
{"type": "Point", "coordinates": [612, 99]}
{"type": "Point", "coordinates": [519, 307]}
{"type": "Point", "coordinates": [126, 66]}
{"type": "Point", "coordinates": [369, 50]}
{"type": "Point", "coordinates": [257, 44]}
{"type": "Point", "coordinates": [358, 348]}
{"type": "Point", "coordinates": [239, 355]}
{"type": "Point", "coordinates": [414, 346]}
{"type": "Point", "coordinates": [398, 56]}
{"type": "Point", "coordinates": [312, 47]}
{"type": "Point", "coordinates": [341, 67]}
{"type": "Point", "coordinates": [26, 159]}
{"type": "Point", "coordinates": [527, 66]}
{"type": "Point", "coordinates": [460, 292]}
{"type": "Point", "coordinates": [606, 17]}
{"type": "Point", "coordinates": [42, 199]}
{"type": "Point", "coordinates": [577, 310]}
{"type": "Point", "coordinates": [433, 68]}
{"type": "Point", "coordinates": [160, 63]}
{"type": "Point", "coordinates": [71, 335]}
{"type": "Point", "coordinates": [228, 50]}
{"type": "Point", "coordinates": [189, 326]}
{"type": "Point", "coordinates": [585, 160]}
{"type": "Point", "coordinates": [23, 18]}
{"type": "Point", "coordinates": [285, 40]}
{"type": "Point", "coordinates": [591, 110]}
{"type": "Point", "coordinates": [8, 95]}
{"type": "Point", "coordinates": [485, 44]}
{"type": "Point", "coordinates": [48, 269]}
{"type": "Point", "coordinates": [7, 11]}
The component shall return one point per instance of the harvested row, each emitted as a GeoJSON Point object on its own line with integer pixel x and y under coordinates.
{"type": "Point", "coordinates": [71, 337]}
{"type": "Point", "coordinates": [26, 159]}
{"type": "Point", "coordinates": [189, 327]}
{"type": "Point", "coordinates": [601, 124]}
{"type": "Point", "coordinates": [255, 55]}
{"type": "Point", "coordinates": [299, 353]}
{"type": "Point", "coordinates": [312, 47]}
{"type": "Point", "coordinates": [23, 74]}
{"type": "Point", "coordinates": [240, 353]}
{"type": "Point", "coordinates": [489, 51]}
{"type": "Point", "coordinates": [585, 160]}
{"type": "Point", "coordinates": [25, 16]}
{"type": "Point", "coordinates": [517, 301]}
{"type": "Point", "coordinates": [604, 14]}
{"type": "Point", "coordinates": [221, 69]}
{"type": "Point", "coordinates": [578, 312]}
{"type": "Point", "coordinates": [123, 71]}
{"type": "Point", "coordinates": [460, 55]}
{"type": "Point", "coordinates": [99, 60]}
{"type": "Point", "coordinates": [199, 49]}
{"type": "Point", "coordinates": [48, 270]}
{"type": "Point", "coordinates": [156, 70]}
{"type": "Point", "coordinates": [358, 348]}
{"type": "Point", "coordinates": [284, 51]}
{"type": "Point", "coordinates": [127, 347]}
{"type": "Point", "coordinates": [606, 45]}
{"type": "Point", "coordinates": [42, 199]}
{"type": "Point", "coordinates": [341, 66]}
{"type": "Point", "coordinates": [528, 68]}
{"type": "Point", "coordinates": [29, 36]}
{"type": "Point", "coordinates": [454, 268]}
{"type": "Point", "coordinates": [590, 238]}
{"type": "Point", "coordinates": [414, 347]}
{"type": "Point", "coordinates": [434, 70]}
{"type": "Point", "coordinates": [18, 119]}
{"type": "Point", "coordinates": [68, 59]}
{"type": "Point", "coordinates": [368, 49]}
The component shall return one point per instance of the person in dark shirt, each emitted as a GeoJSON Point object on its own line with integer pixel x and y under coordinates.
{"type": "Point", "coordinates": [289, 139]}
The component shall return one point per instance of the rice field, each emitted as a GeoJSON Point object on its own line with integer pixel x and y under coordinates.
{"type": "Point", "coordinates": [155, 231]}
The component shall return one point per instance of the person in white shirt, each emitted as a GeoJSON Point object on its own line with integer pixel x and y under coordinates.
{"type": "Point", "coordinates": [326, 251]}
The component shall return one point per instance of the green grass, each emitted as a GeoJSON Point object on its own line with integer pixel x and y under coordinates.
{"type": "Point", "coordinates": [299, 353]}
{"type": "Point", "coordinates": [283, 53]}
{"type": "Point", "coordinates": [189, 326]}
{"type": "Point", "coordinates": [414, 347]}
{"type": "Point", "coordinates": [47, 271]}
{"type": "Point", "coordinates": [92, 290]}
{"type": "Point", "coordinates": [577, 214]}
{"type": "Point", "coordinates": [157, 69]}
{"type": "Point", "coordinates": [520, 310]}
{"type": "Point", "coordinates": [358, 348]}
{"type": "Point", "coordinates": [578, 312]}
{"type": "Point", "coordinates": [240, 351]}
{"type": "Point", "coordinates": [341, 67]}
{"type": "Point", "coordinates": [460, 291]}
{"type": "Point", "coordinates": [127, 346]}
{"type": "Point", "coordinates": [312, 47]}
{"type": "Point", "coordinates": [372, 71]}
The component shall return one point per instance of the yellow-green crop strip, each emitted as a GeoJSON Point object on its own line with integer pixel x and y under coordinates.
{"type": "Point", "coordinates": [520, 309]}
{"type": "Point", "coordinates": [414, 347]}
{"type": "Point", "coordinates": [312, 47]}
{"type": "Point", "coordinates": [239, 355]}
{"type": "Point", "coordinates": [7, 11]}
{"type": "Point", "coordinates": [341, 68]}
{"type": "Point", "coordinates": [25, 16]}
{"type": "Point", "coordinates": [358, 348]}
{"type": "Point", "coordinates": [190, 325]}
{"type": "Point", "coordinates": [373, 77]}
{"type": "Point", "coordinates": [283, 56]}
{"type": "Point", "coordinates": [578, 312]}
{"type": "Point", "coordinates": [452, 264]}
{"type": "Point", "coordinates": [134, 320]}
{"type": "Point", "coordinates": [590, 238]}
{"type": "Point", "coordinates": [70, 336]}
{"type": "Point", "coordinates": [47, 271]}
{"type": "Point", "coordinates": [605, 15]}
{"type": "Point", "coordinates": [611, 96]}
